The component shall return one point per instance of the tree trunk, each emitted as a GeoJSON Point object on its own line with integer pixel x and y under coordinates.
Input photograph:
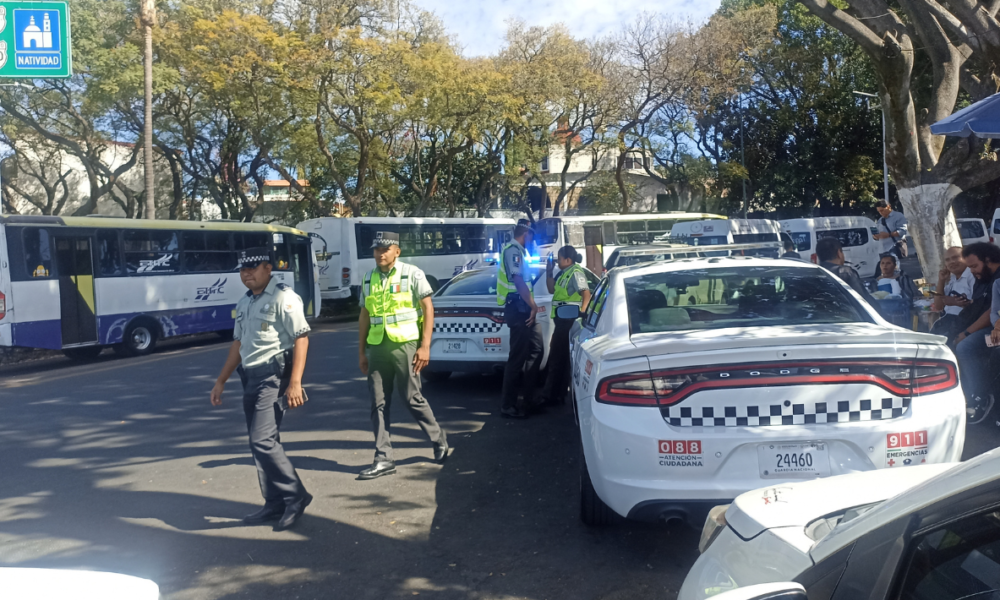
{"type": "Point", "coordinates": [929, 221]}
{"type": "Point", "coordinates": [148, 17]}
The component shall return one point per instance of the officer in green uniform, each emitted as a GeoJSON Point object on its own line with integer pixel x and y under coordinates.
{"type": "Point", "coordinates": [515, 294]}
{"type": "Point", "coordinates": [569, 287]}
{"type": "Point", "coordinates": [395, 327]}
{"type": "Point", "coordinates": [270, 341]}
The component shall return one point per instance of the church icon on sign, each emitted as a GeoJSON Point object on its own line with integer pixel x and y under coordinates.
{"type": "Point", "coordinates": [33, 37]}
{"type": "Point", "coordinates": [37, 41]}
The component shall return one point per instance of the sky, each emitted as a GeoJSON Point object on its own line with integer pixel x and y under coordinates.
{"type": "Point", "coordinates": [479, 25]}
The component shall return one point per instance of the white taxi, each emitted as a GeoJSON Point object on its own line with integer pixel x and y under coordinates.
{"type": "Point", "coordinates": [696, 380]}
{"type": "Point", "coordinates": [469, 331]}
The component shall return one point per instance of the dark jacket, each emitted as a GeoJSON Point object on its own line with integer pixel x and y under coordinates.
{"type": "Point", "coordinates": [851, 278]}
{"type": "Point", "coordinates": [791, 254]}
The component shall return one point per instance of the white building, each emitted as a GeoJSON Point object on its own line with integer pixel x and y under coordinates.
{"type": "Point", "coordinates": [38, 38]}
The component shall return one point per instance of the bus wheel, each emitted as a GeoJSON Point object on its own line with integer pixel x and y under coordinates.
{"type": "Point", "coordinates": [84, 353]}
{"type": "Point", "coordinates": [139, 339]}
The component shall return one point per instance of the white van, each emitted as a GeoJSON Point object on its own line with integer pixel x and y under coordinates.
{"type": "Point", "coordinates": [995, 227]}
{"type": "Point", "coordinates": [855, 234]}
{"type": "Point", "coordinates": [442, 248]}
{"type": "Point", "coordinates": [972, 231]}
{"type": "Point", "coordinates": [716, 232]}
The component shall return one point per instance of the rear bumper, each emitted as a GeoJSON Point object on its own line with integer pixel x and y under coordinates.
{"type": "Point", "coordinates": [338, 294]}
{"type": "Point", "coordinates": [622, 450]}
{"type": "Point", "coordinates": [466, 366]}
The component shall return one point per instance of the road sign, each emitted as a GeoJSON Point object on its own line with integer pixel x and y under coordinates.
{"type": "Point", "coordinates": [35, 40]}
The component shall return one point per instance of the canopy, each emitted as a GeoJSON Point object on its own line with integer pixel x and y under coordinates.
{"type": "Point", "coordinates": [982, 119]}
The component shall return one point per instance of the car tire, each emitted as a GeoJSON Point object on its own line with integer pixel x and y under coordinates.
{"type": "Point", "coordinates": [593, 511]}
{"type": "Point", "coordinates": [139, 339]}
{"type": "Point", "coordinates": [435, 376]}
{"type": "Point", "coordinates": [84, 353]}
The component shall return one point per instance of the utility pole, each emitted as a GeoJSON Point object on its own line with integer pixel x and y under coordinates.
{"type": "Point", "coordinates": [743, 161]}
{"type": "Point", "coordinates": [885, 164]}
{"type": "Point", "coordinates": [148, 18]}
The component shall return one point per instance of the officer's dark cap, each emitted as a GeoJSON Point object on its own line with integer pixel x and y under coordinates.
{"type": "Point", "coordinates": [384, 239]}
{"type": "Point", "coordinates": [252, 257]}
{"type": "Point", "coordinates": [523, 225]}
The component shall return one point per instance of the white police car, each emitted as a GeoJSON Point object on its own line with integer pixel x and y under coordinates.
{"type": "Point", "coordinates": [469, 331]}
{"type": "Point", "coordinates": [696, 380]}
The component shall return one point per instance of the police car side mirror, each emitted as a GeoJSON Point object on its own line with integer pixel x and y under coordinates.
{"type": "Point", "coordinates": [568, 311]}
{"type": "Point", "coordinates": [766, 591]}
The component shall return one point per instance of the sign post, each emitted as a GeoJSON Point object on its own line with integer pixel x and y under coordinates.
{"type": "Point", "coordinates": [35, 40]}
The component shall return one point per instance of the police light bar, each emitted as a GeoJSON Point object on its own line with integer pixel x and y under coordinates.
{"type": "Point", "coordinates": [674, 248]}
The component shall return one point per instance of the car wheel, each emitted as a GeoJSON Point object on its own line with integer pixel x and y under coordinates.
{"type": "Point", "coordinates": [593, 511]}
{"type": "Point", "coordinates": [435, 376]}
{"type": "Point", "coordinates": [84, 353]}
{"type": "Point", "coordinates": [139, 339]}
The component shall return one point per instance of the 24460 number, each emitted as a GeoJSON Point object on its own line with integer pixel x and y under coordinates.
{"type": "Point", "coordinates": [789, 461]}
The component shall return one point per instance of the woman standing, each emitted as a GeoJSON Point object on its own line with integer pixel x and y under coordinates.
{"type": "Point", "coordinates": [570, 287]}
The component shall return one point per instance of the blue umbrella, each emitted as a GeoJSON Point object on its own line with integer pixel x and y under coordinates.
{"type": "Point", "coordinates": [982, 119]}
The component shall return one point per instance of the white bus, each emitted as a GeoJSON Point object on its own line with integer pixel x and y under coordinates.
{"type": "Point", "coordinates": [442, 248]}
{"type": "Point", "coordinates": [81, 283]}
{"type": "Point", "coordinates": [597, 236]}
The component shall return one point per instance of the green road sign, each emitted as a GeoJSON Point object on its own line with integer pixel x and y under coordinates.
{"type": "Point", "coordinates": [35, 40]}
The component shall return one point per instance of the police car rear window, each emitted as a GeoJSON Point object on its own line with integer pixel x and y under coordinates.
{"type": "Point", "coordinates": [736, 297]}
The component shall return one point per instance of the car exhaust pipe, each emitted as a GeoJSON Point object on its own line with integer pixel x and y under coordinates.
{"type": "Point", "coordinates": [673, 515]}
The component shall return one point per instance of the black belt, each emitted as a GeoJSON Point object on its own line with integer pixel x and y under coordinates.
{"type": "Point", "coordinates": [275, 366]}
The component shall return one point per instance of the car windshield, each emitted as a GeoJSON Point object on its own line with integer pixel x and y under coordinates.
{"type": "Point", "coordinates": [736, 297]}
{"type": "Point", "coordinates": [970, 229]}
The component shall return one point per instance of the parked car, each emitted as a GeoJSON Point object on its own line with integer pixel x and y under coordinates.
{"type": "Point", "coordinates": [469, 331]}
{"type": "Point", "coordinates": [647, 253]}
{"type": "Point", "coordinates": [696, 380]}
{"type": "Point", "coordinates": [972, 231]}
{"type": "Point", "coordinates": [928, 532]}
{"type": "Point", "coordinates": [855, 234]}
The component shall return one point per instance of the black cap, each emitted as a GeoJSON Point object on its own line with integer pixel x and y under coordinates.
{"type": "Point", "coordinates": [526, 224]}
{"type": "Point", "coordinates": [384, 239]}
{"type": "Point", "coordinates": [252, 257]}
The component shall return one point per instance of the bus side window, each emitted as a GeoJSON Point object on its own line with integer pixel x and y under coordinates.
{"type": "Point", "coordinates": [242, 241]}
{"type": "Point", "coordinates": [282, 255]}
{"type": "Point", "coordinates": [109, 253]}
{"type": "Point", "coordinates": [37, 253]}
{"type": "Point", "coordinates": [208, 251]}
{"type": "Point", "coordinates": [151, 251]}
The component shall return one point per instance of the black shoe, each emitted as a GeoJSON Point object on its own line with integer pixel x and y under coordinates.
{"type": "Point", "coordinates": [513, 413]}
{"type": "Point", "coordinates": [268, 513]}
{"type": "Point", "coordinates": [378, 469]}
{"type": "Point", "coordinates": [292, 512]}
{"type": "Point", "coordinates": [978, 409]}
{"type": "Point", "coordinates": [441, 453]}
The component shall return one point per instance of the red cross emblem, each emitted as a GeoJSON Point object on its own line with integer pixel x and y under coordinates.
{"type": "Point", "coordinates": [892, 462]}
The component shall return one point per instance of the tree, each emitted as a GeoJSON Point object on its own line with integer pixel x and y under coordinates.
{"type": "Point", "coordinates": [927, 56]}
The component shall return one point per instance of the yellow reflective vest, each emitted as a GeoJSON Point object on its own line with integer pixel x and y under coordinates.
{"type": "Point", "coordinates": [504, 284]}
{"type": "Point", "coordinates": [561, 295]}
{"type": "Point", "coordinates": [389, 302]}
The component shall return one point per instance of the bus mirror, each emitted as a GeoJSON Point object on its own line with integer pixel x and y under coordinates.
{"type": "Point", "coordinates": [323, 256]}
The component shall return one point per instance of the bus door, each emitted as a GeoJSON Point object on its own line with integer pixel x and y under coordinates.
{"type": "Point", "coordinates": [328, 262]}
{"type": "Point", "coordinates": [593, 241]}
{"type": "Point", "coordinates": [302, 271]}
{"type": "Point", "coordinates": [75, 265]}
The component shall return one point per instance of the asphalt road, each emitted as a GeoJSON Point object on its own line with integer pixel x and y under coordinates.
{"type": "Point", "coordinates": [122, 465]}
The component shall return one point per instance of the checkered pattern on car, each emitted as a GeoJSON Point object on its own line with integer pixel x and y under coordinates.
{"type": "Point", "coordinates": [806, 413]}
{"type": "Point", "coordinates": [481, 327]}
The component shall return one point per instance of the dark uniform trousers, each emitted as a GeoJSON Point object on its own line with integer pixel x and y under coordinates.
{"type": "Point", "coordinates": [262, 386]}
{"type": "Point", "coordinates": [390, 366]}
{"type": "Point", "coordinates": [559, 362]}
{"type": "Point", "coordinates": [525, 358]}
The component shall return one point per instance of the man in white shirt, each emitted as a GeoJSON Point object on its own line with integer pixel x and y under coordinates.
{"type": "Point", "coordinates": [956, 281]}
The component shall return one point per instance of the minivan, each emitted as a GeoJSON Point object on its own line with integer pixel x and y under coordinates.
{"type": "Point", "coordinates": [861, 250]}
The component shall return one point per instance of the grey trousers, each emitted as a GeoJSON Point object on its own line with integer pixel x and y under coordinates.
{"type": "Point", "coordinates": [279, 483]}
{"type": "Point", "coordinates": [390, 366]}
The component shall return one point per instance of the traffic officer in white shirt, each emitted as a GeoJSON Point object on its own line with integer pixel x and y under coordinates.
{"type": "Point", "coordinates": [394, 343]}
{"type": "Point", "coordinates": [516, 296]}
{"type": "Point", "coordinates": [270, 341]}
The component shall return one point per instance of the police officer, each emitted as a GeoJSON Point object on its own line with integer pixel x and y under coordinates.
{"type": "Point", "coordinates": [570, 287]}
{"type": "Point", "coordinates": [269, 351]}
{"type": "Point", "coordinates": [395, 327]}
{"type": "Point", "coordinates": [514, 293]}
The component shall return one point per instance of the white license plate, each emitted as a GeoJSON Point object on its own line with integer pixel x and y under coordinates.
{"type": "Point", "coordinates": [454, 346]}
{"type": "Point", "coordinates": [790, 461]}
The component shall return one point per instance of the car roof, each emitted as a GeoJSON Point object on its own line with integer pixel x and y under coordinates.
{"type": "Point", "coordinates": [713, 262]}
{"type": "Point", "coordinates": [978, 471]}
{"type": "Point", "coordinates": [828, 222]}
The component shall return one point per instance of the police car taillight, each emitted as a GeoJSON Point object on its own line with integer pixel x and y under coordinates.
{"type": "Point", "coordinates": [3, 305]}
{"type": "Point", "coordinates": [630, 390]}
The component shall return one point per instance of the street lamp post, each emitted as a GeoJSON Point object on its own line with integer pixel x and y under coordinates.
{"type": "Point", "coordinates": [885, 164]}
{"type": "Point", "coordinates": [743, 160]}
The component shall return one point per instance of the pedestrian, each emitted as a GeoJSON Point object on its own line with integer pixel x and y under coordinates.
{"type": "Point", "coordinates": [953, 294]}
{"type": "Point", "coordinates": [394, 345]}
{"type": "Point", "coordinates": [891, 232]}
{"type": "Point", "coordinates": [831, 257]}
{"type": "Point", "coordinates": [270, 341]}
{"type": "Point", "coordinates": [971, 349]}
{"type": "Point", "coordinates": [789, 249]}
{"type": "Point", "coordinates": [515, 294]}
{"type": "Point", "coordinates": [569, 287]}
